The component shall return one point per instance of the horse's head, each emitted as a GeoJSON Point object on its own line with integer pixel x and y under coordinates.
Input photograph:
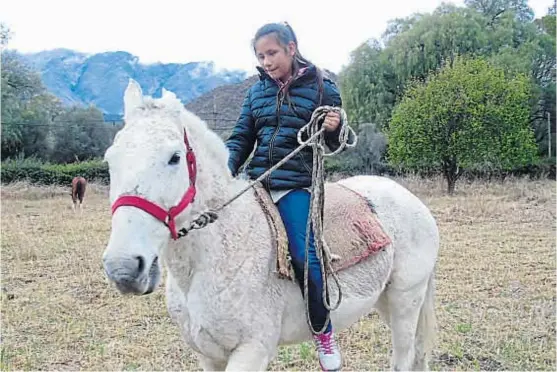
{"type": "Point", "coordinates": [152, 182]}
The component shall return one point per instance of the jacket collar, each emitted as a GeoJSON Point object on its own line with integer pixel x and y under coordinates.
{"type": "Point", "coordinates": [306, 71]}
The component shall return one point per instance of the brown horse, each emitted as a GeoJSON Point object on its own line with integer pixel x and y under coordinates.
{"type": "Point", "coordinates": [78, 191]}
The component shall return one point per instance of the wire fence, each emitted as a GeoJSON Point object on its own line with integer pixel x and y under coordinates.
{"type": "Point", "coordinates": [213, 119]}
{"type": "Point", "coordinates": [116, 124]}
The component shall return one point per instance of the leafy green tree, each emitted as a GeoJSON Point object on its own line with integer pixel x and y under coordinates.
{"type": "Point", "coordinates": [80, 134]}
{"type": "Point", "coordinates": [547, 22]}
{"type": "Point", "coordinates": [27, 109]}
{"type": "Point", "coordinates": [529, 48]}
{"type": "Point", "coordinates": [466, 116]}
{"type": "Point", "coordinates": [368, 94]}
{"type": "Point", "coordinates": [378, 74]}
{"type": "Point", "coordinates": [493, 9]}
{"type": "Point", "coordinates": [544, 73]}
{"type": "Point", "coordinates": [503, 31]}
{"type": "Point", "coordinates": [5, 34]}
{"type": "Point", "coordinates": [34, 123]}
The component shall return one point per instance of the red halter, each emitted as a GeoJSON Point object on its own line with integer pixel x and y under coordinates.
{"type": "Point", "coordinates": [156, 211]}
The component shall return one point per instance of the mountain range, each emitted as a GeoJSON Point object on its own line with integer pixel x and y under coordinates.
{"type": "Point", "coordinates": [215, 95]}
{"type": "Point", "coordinates": [100, 79]}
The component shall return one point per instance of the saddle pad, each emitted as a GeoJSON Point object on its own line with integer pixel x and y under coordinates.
{"type": "Point", "coordinates": [352, 230]}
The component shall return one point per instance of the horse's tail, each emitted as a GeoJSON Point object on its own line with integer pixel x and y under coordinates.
{"type": "Point", "coordinates": [81, 185]}
{"type": "Point", "coordinates": [78, 188]}
{"type": "Point", "coordinates": [427, 324]}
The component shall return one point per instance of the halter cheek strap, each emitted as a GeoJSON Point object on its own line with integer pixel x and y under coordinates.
{"type": "Point", "coordinates": [166, 217]}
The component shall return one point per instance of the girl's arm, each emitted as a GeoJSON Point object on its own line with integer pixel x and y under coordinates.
{"type": "Point", "coordinates": [241, 141]}
{"type": "Point", "coordinates": [331, 97]}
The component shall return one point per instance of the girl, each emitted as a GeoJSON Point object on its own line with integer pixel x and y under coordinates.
{"type": "Point", "coordinates": [289, 89]}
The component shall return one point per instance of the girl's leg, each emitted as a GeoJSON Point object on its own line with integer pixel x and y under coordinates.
{"type": "Point", "coordinates": [294, 210]}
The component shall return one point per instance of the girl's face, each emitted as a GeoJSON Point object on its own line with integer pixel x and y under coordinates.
{"type": "Point", "coordinates": [274, 58]}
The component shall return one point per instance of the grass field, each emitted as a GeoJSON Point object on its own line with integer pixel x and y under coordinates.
{"type": "Point", "coordinates": [495, 288]}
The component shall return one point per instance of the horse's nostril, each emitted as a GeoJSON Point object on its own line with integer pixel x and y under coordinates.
{"type": "Point", "coordinates": [153, 268]}
{"type": "Point", "coordinates": [140, 264]}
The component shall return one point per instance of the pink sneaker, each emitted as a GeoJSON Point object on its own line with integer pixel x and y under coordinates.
{"type": "Point", "coordinates": [328, 351]}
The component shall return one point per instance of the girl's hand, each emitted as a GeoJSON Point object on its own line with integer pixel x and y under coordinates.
{"type": "Point", "coordinates": [332, 121]}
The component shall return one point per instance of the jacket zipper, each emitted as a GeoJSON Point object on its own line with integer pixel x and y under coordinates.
{"type": "Point", "coordinates": [272, 142]}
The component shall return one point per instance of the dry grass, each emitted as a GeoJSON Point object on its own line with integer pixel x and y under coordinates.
{"type": "Point", "coordinates": [495, 297]}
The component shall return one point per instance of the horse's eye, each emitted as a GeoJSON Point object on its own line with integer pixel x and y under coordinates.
{"type": "Point", "coordinates": [175, 159]}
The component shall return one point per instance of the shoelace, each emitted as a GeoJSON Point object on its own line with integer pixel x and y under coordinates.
{"type": "Point", "coordinates": [325, 343]}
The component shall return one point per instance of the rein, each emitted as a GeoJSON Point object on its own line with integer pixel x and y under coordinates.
{"type": "Point", "coordinates": [317, 205]}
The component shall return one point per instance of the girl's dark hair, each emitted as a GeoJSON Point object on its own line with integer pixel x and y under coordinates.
{"type": "Point", "coordinates": [284, 35]}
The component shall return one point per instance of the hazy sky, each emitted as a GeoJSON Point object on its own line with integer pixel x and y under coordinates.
{"type": "Point", "coordinates": [201, 30]}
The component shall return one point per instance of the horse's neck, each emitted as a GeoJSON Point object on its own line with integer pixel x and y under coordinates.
{"type": "Point", "coordinates": [214, 183]}
{"type": "Point", "coordinates": [218, 249]}
{"type": "Point", "coordinates": [236, 245]}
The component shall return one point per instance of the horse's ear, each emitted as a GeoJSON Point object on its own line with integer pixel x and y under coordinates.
{"type": "Point", "coordinates": [105, 156]}
{"type": "Point", "coordinates": [108, 151]}
{"type": "Point", "coordinates": [168, 95]}
{"type": "Point", "coordinates": [133, 97]}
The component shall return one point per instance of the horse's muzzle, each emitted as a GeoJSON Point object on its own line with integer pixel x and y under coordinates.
{"type": "Point", "coordinates": [132, 275]}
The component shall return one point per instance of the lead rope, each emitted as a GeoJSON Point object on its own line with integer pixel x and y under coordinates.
{"type": "Point", "coordinates": [316, 139]}
{"type": "Point", "coordinates": [211, 216]}
{"type": "Point", "coordinates": [317, 204]}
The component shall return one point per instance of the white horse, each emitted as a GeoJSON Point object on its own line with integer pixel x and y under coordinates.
{"type": "Point", "coordinates": [222, 290]}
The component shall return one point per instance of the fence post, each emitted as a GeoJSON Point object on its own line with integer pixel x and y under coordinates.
{"type": "Point", "coordinates": [548, 134]}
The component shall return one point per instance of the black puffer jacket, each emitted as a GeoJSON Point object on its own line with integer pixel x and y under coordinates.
{"type": "Point", "coordinates": [275, 131]}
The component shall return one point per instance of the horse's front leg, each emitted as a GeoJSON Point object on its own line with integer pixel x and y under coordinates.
{"type": "Point", "coordinates": [251, 356]}
{"type": "Point", "coordinates": [208, 364]}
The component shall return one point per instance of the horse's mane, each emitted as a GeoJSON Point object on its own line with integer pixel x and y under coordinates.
{"type": "Point", "coordinates": [153, 121]}
{"type": "Point", "coordinates": [170, 108]}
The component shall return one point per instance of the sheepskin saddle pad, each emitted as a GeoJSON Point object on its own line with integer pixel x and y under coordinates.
{"type": "Point", "coordinates": [352, 230]}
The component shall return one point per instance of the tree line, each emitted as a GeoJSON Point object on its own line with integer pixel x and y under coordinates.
{"type": "Point", "coordinates": [36, 124]}
{"type": "Point", "coordinates": [461, 89]}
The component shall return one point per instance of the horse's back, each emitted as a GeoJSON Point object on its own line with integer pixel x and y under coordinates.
{"type": "Point", "coordinates": [408, 222]}
{"type": "Point", "coordinates": [389, 197]}
{"type": "Point", "coordinates": [375, 187]}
